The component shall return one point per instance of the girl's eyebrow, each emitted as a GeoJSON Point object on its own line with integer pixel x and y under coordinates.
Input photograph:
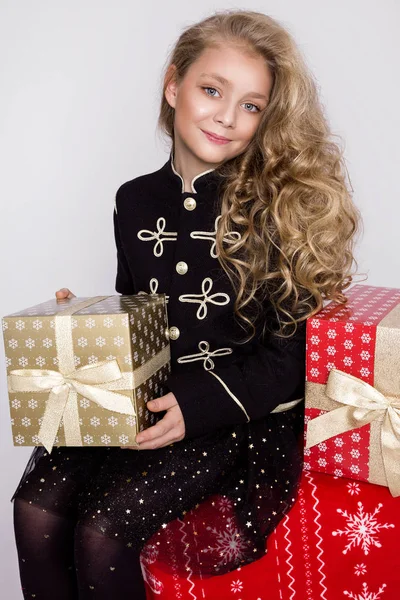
{"type": "Point", "coordinates": [224, 81]}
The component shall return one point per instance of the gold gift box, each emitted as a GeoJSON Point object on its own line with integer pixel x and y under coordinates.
{"type": "Point", "coordinates": [80, 371]}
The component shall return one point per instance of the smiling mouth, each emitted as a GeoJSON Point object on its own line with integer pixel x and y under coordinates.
{"type": "Point", "coordinates": [215, 137]}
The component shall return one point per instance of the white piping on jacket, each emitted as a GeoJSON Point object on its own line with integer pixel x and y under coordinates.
{"type": "Point", "coordinates": [231, 395]}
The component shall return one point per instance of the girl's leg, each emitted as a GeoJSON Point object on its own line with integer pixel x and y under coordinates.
{"type": "Point", "coordinates": [45, 544]}
{"type": "Point", "coordinates": [45, 517]}
{"type": "Point", "coordinates": [106, 568]}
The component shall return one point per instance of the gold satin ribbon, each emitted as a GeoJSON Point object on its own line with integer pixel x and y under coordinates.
{"type": "Point", "coordinates": [94, 381]}
{"type": "Point", "coordinates": [363, 404]}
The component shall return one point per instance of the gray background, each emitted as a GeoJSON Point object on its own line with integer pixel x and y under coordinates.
{"type": "Point", "coordinates": [79, 97]}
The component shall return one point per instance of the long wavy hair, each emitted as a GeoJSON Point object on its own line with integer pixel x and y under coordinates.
{"type": "Point", "coordinates": [286, 194]}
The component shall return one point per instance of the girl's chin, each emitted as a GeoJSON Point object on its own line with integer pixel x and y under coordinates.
{"type": "Point", "coordinates": [210, 152]}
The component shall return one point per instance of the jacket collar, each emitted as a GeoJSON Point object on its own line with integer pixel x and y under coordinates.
{"type": "Point", "coordinates": [204, 181]}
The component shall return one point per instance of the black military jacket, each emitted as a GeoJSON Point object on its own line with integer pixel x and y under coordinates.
{"type": "Point", "coordinates": [165, 239]}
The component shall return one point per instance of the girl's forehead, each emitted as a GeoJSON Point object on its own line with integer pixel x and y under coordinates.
{"type": "Point", "coordinates": [232, 67]}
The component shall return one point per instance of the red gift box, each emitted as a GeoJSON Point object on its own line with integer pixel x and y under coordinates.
{"type": "Point", "coordinates": [340, 540]}
{"type": "Point", "coordinates": [352, 391]}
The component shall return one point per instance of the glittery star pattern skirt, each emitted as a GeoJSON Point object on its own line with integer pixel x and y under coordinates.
{"type": "Point", "coordinates": [254, 470]}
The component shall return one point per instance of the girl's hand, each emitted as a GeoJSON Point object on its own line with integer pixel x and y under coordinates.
{"type": "Point", "coordinates": [170, 429]}
{"type": "Point", "coordinates": [64, 293]}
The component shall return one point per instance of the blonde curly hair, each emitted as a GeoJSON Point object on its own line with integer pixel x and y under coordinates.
{"type": "Point", "coordinates": [286, 194]}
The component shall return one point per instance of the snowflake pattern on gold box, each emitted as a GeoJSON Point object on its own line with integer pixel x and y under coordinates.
{"type": "Point", "coordinates": [126, 334]}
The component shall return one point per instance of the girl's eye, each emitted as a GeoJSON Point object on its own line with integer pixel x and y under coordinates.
{"type": "Point", "coordinates": [255, 106]}
{"type": "Point", "coordinates": [209, 88]}
{"type": "Point", "coordinates": [246, 103]}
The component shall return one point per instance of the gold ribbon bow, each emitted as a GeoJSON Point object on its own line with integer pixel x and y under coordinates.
{"type": "Point", "coordinates": [63, 398]}
{"type": "Point", "coordinates": [363, 404]}
{"type": "Point", "coordinates": [95, 382]}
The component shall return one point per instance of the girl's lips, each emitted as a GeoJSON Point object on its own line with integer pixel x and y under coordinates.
{"type": "Point", "coordinates": [215, 139]}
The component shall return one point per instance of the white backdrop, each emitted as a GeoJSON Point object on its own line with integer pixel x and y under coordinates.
{"type": "Point", "coordinates": [79, 97]}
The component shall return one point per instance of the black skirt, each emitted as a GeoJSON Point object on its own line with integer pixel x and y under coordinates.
{"type": "Point", "coordinates": [132, 494]}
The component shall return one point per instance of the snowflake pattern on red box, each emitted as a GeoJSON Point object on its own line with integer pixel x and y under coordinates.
{"type": "Point", "coordinates": [343, 337]}
{"type": "Point", "coordinates": [345, 455]}
{"type": "Point", "coordinates": [340, 540]}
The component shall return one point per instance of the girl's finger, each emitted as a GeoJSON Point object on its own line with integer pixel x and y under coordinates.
{"type": "Point", "coordinates": [159, 442]}
{"type": "Point", "coordinates": [65, 293]}
{"type": "Point", "coordinates": [162, 428]}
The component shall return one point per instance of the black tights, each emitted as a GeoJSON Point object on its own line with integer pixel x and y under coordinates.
{"type": "Point", "coordinates": [65, 560]}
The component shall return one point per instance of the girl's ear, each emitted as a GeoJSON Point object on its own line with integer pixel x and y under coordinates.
{"type": "Point", "coordinates": [171, 88]}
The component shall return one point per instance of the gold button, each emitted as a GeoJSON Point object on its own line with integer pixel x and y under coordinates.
{"type": "Point", "coordinates": [181, 267]}
{"type": "Point", "coordinates": [173, 333]}
{"type": "Point", "coordinates": [189, 203]}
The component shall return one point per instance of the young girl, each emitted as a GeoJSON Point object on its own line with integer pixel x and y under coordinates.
{"type": "Point", "coordinates": [246, 228]}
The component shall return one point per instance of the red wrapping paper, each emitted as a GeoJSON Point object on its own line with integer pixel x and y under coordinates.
{"type": "Point", "coordinates": [353, 338]}
{"type": "Point", "coordinates": [340, 540]}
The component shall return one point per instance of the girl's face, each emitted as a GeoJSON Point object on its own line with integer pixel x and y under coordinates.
{"type": "Point", "coordinates": [224, 93]}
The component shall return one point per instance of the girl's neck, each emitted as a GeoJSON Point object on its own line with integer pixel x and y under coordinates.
{"type": "Point", "coordinates": [189, 168]}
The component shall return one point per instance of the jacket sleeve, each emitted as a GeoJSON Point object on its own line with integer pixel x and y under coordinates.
{"type": "Point", "coordinates": [124, 282]}
{"type": "Point", "coordinates": [248, 389]}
